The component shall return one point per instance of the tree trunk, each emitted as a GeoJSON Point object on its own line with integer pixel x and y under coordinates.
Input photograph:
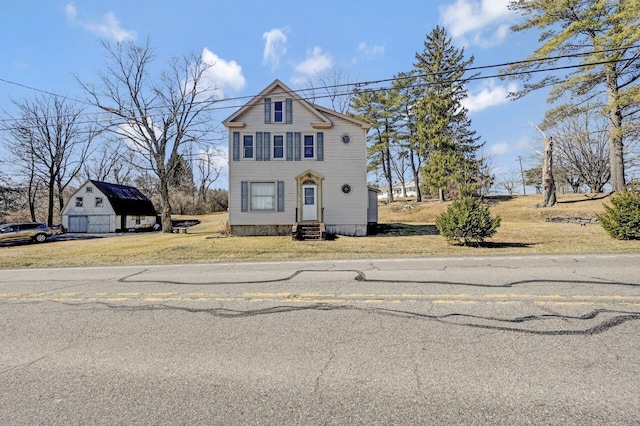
{"type": "Point", "coordinates": [165, 216]}
{"type": "Point", "coordinates": [441, 195]}
{"type": "Point", "coordinates": [416, 175]}
{"type": "Point", "coordinates": [548, 183]}
{"type": "Point", "coordinates": [616, 148]}
{"type": "Point", "coordinates": [51, 198]}
{"type": "Point", "coordinates": [388, 174]}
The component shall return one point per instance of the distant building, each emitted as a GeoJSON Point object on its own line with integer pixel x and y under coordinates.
{"type": "Point", "coordinates": [101, 207]}
{"type": "Point", "coordinates": [410, 187]}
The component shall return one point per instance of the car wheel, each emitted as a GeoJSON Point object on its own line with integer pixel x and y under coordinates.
{"type": "Point", "coordinates": [41, 238]}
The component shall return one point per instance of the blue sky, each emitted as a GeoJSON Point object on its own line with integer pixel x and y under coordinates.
{"type": "Point", "coordinates": [45, 43]}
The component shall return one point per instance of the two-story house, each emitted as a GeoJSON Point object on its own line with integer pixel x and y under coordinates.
{"type": "Point", "coordinates": [292, 162]}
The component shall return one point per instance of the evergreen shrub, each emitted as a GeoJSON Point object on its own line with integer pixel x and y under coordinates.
{"type": "Point", "coordinates": [621, 219]}
{"type": "Point", "coordinates": [467, 222]}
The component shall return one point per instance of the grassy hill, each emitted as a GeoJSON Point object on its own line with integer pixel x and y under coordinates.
{"type": "Point", "coordinates": [403, 231]}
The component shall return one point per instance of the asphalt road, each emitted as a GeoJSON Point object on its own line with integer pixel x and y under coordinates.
{"type": "Point", "coordinates": [506, 340]}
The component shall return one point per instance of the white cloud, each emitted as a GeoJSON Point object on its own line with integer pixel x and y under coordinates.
{"type": "Point", "coordinates": [499, 148]}
{"type": "Point", "coordinates": [223, 74]}
{"type": "Point", "coordinates": [71, 12]}
{"type": "Point", "coordinates": [316, 62]}
{"type": "Point", "coordinates": [109, 28]}
{"type": "Point", "coordinates": [274, 47]}
{"type": "Point", "coordinates": [488, 96]}
{"type": "Point", "coordinates": [481, 22]}
{"type": "Point", "coordinates": [371, 51]}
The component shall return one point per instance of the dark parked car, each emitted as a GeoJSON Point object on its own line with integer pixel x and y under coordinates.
{"type": "Point", "coordinates": [35, 231]}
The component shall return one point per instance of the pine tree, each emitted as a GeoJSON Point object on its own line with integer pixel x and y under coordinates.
{"type": "Point", "coordinates": [442, 125]}
{"type": "Point", "coordinates": [604, 36]}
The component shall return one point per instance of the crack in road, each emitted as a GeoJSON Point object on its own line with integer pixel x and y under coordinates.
{"type": "Point", "coordinates": [360, 276]}
{"type": "Point", "coordinates": [617, 318]}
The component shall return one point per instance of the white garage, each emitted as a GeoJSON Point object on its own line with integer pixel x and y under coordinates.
{"type": "Point", "coordinates": [102, 207]}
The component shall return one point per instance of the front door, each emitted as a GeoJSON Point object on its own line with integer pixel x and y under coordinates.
{"type": "Point", "coordinates": [309, 203]}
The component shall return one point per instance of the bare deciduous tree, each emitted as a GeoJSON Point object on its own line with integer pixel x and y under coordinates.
{"type": "Point", "coordinates": [208, 171]}
{"type": "Point", "coordinates": [331, 85]}
{"type": "Point", "coordinates": [109, 163]}
{"type": "Point", "coordinates": [157, 118]}
{"type": "Point", "coordinates": [51, 145]}
{"type": "Point", "coordinates": [509, 181]}
{"type": "Point", "coordinates": [582, 144]}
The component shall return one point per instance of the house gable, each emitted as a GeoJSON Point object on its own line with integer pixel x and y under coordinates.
{"type": "Point", "coordinates": [276, 102]}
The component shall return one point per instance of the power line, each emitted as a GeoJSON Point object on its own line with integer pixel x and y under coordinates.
{"type": "Point", "coordinates": [302, 92]}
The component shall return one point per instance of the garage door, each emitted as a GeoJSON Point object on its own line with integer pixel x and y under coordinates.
{"type": "Point", "coordinates": [98, 224]}
{"type": "Point", "coordinates": [78, 223]}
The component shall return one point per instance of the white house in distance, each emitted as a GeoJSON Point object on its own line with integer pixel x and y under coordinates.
{"type": "Point", "coordinates": [293, 163]}
{"type": "Point", "coordinates": [410, 187]}
{"type": "Point", "coordinates": [101, 207]}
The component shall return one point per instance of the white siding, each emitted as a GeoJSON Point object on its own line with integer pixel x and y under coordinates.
{"type": "Point", "coordinates": [89, 208]}
{"type": "Point", "coordinates": [342, 164]}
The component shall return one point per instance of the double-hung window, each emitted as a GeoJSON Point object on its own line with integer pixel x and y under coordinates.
{"type": "Point", "coordinates": [278, 147]}
{"type": "Point", "coordinates": [263, 196]}
{"type": "Point", "coordinates": [308, 146]}
{"type": "Point", "coordinates": [278, 111]}
{"type": "Point", "coordinates": [247, 146]}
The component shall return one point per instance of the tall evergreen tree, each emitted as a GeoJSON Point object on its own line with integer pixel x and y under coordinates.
{"type": "Point", "coordinates": [377, 108]}
{"type": "Point", "coordinates": [405, 86]}
{"type": "Point", "coordinates": [443, 130]}
{"type": "Point", "coordinates": [604, 34]}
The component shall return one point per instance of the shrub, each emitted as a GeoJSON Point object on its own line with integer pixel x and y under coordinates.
{"type": "Point", "coordinates": [467, 222]}
{"type": "Point", "coordinates": [621, 219]}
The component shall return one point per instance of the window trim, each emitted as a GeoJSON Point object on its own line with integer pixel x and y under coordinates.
{"type": "Point", "coordinates": [274, 197]}
{"type": "Point", "coordinates": [245, 137]}
{"type": "Point", "coordinates": [278, 103]}
{"type": "Point", "coordinates": [304, 147]}
{"type": "Point", "coordinates": [283, 147]}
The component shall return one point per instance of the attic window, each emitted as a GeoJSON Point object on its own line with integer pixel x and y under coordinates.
{"type": "Point", "coordinates": [79, 201]}
{"type": "Point", "coordinates": [277, 111]}
{"type": "Point", "coordinates": [98, 201]}
{"type": "Point", "coordinates": [89, 188]}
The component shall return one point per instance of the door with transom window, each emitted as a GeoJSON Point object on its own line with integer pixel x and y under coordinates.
{"type": "Point", "coordinates": [309, 197]}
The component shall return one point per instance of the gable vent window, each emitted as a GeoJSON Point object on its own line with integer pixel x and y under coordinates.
{"type": "Point", "coordinates": [89, 188]}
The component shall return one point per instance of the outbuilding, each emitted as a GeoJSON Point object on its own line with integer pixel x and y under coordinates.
{"type": "Point", "coordinates": [102, 207]}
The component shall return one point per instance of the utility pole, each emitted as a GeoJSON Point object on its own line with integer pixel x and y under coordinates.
{"type": "Point", "coordinates": [524, 187]}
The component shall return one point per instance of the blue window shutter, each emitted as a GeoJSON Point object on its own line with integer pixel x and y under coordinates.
{"type": "Point", "coordinates": [288, 110]}
{"type": "Point", "coordinates": [280, 190]}
{"type": "Point", "coordinates": [266, 141]}
{"type": "Point", "coordinates": [267, 110]}
{"type": "Point", "coordinates": [258, 146]}
{"type": "Point", "coordinates": [297, 146]}
{"type": "Point", "coordinates": [236, 146]}
{"type": "Point", "coordinates": [244, 196]}
{"type": "Point", "coordinates": [320, 146]}
{"type": "Point", "coordinates": [289, 146]}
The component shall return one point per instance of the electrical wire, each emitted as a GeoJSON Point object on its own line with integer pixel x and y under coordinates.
{"type": "Point", "coordinates": [229, 103]}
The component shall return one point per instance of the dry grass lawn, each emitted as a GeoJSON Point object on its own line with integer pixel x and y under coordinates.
{"type": "Point", "coordinates": [404, 232]}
